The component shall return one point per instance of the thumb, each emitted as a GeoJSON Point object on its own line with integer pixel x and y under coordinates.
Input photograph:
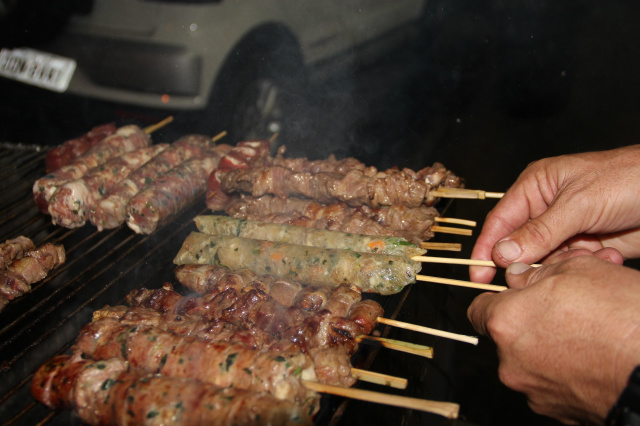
{"type": "Point", "coordinates": [535, 239]}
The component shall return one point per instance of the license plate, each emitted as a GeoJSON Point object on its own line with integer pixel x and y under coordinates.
{"type": "Point", "coordinates": [37, 68]}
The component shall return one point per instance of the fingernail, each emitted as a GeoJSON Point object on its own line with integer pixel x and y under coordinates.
{"type": "Point", "coordinates": [517, 268]}
{"type": "Point", "coordinates": [509, 250]}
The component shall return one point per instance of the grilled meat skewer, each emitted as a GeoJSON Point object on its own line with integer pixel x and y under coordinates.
{"type": "Point", "coordinates": [68, 150]}
{"type": "Point", "coordinates": [211, 280]}
{"type": "Point", "coordinates": [332, 364]}
{"type": "Point", "coordinates": [125, 139]}
{"type": "Point", "coordinates": [378, 273]}
{"type": "Point", "coordinates": [223, 225]}
{"type": "Point", "coordinates": [110, 393]}
{"type": "Point", "coordinates": [413, 224]}
{"type": "Point", "coordinates": [110, 212]}
{"type": "Point", "coordinates": [70, 204]}
{"type": "Point", "coordinates": [219, 363]}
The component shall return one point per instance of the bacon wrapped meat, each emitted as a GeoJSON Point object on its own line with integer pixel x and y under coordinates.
{"type": "Point", "coordinates": [67, 151]}
{"type": "Point", "coordinates": [110, 211]}
{"type": "Point", "coordinates": [108, 392]}
{"type": "Point", "coordinates": [125, 139]}
{"type": "Point", "coordinates": [219, 363]}
{"type": "Point", "coordinates": [70, 204]}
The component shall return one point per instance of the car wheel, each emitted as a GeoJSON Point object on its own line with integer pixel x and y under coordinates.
{"type": "Point", "coordinates": [260, 90]}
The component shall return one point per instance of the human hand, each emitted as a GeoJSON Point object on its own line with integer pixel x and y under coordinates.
{"type": "Point", "coordinates": [567, 333]}
{"type": "Point", "coordinates": [585, 201]}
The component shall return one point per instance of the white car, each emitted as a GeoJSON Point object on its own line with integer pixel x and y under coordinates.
{"type": "Point", "coordinates": [240, 65]}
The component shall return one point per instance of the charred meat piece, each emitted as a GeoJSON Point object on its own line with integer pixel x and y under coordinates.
{"type": "Point", "coordinates": [240, 157]}
{"type": "Point", "coordinates": [16, 280]}
{"type": "Point", "coordinates": [14, 249]}
{"type": "Point", "coordinates": [355, 188]}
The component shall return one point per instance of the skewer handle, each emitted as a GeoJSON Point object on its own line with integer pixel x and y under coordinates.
{"type": "Point", "coordinates": [407, 326]}
{"type": "Point", "coordinates": [469, 284]}
{"type": "Point", "coordinates": [397, 345]}
{"type": "Point", "coordinates": [379, 378]}
{"type": "Point", "coordinates": [154, 127]}
{"type": "Point", "coordinates": [455, 221]}
{"type": "Point", "coordinates": [451, 230]}
{"type": "Point", "coordinates": [219, 136]}
{"type": "Point", "coordinates": [441, 246]}
{"type": "Point", "coordinates": [447, 409]}
{"type": "Point", "coordinates": [453, 261]}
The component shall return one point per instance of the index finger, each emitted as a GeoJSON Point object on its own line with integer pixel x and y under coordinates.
{"type": "Point", "coordinates": [510, 213]}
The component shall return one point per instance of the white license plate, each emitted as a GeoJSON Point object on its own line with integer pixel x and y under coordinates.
{"type": "Point", "coordinates": [37, 68]}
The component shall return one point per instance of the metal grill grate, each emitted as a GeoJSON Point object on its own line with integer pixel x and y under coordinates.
{"type": "Point", "coordinates": [101, 268]}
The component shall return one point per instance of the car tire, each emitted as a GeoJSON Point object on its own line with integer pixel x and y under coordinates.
{"type": "Point", "coordinates": [260, 91]}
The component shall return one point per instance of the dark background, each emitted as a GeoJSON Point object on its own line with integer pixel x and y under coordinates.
{"type": "Point", "coordinates": [487, 89]}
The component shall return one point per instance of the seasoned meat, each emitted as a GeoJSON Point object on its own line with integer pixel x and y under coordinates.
{"type": "Point", "coordinates": [413, 224]}
{"type": "Point", "coordinates": [68, 150]}
{"type": "Point", "coordinates": [169, 194]}
{"type": "Point", "coordinates": [125, 139]}
{"type": "Point", "coordinates": [109, 393]}
{"type": "Point", "coordinates": [14, 249]}
{"type": "Point", "coordinates": [218, 363]}
{"type": "Point", "coordinates": [110, 212]}
{"type": "Point", "coordinates": [258, 230]}
{"type": "Point", "coordinates": [16, 280]}
{"type": "Point", "coordinates": [379, 273]}
{"type": "Point", "coordinates": [70, 204]}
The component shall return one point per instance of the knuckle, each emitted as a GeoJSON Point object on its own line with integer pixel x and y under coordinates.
{"type": "Point", "coordinates": [539, 233]}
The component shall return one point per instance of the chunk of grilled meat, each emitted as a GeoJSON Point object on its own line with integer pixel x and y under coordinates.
{"type": "Point", "coordinates": [14, 249]}
{"type": "Point", "coordinates": [36, 264]}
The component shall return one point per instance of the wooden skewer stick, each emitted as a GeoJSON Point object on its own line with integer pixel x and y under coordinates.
{"type": "Point", "coordinates": [449, 410]}
{"type": "Point", "coordinates": [159, 125]}
{"type": "Point", "coordinates": [379, 378]}
{"type": "Point", "coordinates": [219, 136]}
{"type": "Point", "coordinates": [426, 330]}
{"type": "Point", "coordinates": [441, 246]}
{"type": "Point", "coordinates": [455, 221]}
{"type": "Point", "coordinates": [470, 284]}
{"type": "Point", "coordinates": [450, 230]}
{"type": "Point", "coordinates": [455, 261]}
{"type": "Point", "coordinates": [465, 193]}
{"type": "Point", "coordinates": [398, 345]}
{"type": "Point", "coordinates": [273, 137]}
